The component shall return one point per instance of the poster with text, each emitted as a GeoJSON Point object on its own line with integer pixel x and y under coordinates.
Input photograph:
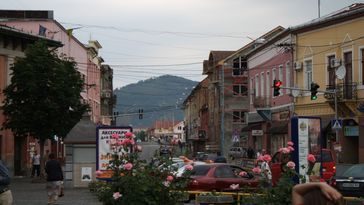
{"type": "Point", "coordinates": [104, 148]}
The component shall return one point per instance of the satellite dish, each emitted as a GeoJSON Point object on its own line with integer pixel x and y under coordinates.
{"type": "Point", "coordinates": [340, 72]}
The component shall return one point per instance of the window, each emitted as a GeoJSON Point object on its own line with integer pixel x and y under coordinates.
{"type": "Point", "coordinates": [256, 86]}
{"type": "Point", "coordinates": [251, 89]}
{"type": "Point", "coordinates": [362, 65]}
{"type": "Point", "coordinates": [288, 77]}
{"type": "Point", "coordinates": [280, 75]}
{"type": "Point", "coordinates": [262, 84]}
{"type": "Point", "coordinates": [308, 73]}
{"type": "Point", "coordinates": [239, 116]}
{"type": "Point", "coordinates": [268, 84]}
{"type": "Point", "coordinates": [224, 172]}
{"type": "Point", "coordinates": [331, 72]}
{"type": "Point", "coordinates": [240, 66]}
{"type": "Point", "coordinates": [274, 77]}
{"type": "Point", "coordinates": [240, 90]}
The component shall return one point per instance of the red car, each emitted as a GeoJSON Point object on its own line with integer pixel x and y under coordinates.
{"type": "Point", "coordinates": [280, 159]}
{"type": "Point", "coordinates": [219, 177]}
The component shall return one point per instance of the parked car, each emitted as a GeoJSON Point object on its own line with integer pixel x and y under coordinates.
{"type": "Point", "coordinates": [280, 159]}
{"type": "Point", "coordinates": [351, 183]}
{"type": "Point", "coordinates": [219, 177]}
{"type": "Point", "coordinates": [237, 152]}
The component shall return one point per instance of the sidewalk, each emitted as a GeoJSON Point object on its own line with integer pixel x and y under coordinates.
{"type": "Point", "coordinates": [27, 193]}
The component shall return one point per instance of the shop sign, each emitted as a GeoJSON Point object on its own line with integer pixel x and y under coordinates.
{"type": "Point", "coordinates": [257, 132]}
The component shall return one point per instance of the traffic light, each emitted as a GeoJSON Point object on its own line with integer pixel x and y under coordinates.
{"type": "Point", "coordinates": [314, 87]}
{"type": "Point", "coordinates": [277, 86]}
{"type": "Point", "coordinates": [140, 114]}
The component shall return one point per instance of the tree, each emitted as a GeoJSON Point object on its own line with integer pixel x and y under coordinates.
{"type": "Point", "coordinates": [44, 96]}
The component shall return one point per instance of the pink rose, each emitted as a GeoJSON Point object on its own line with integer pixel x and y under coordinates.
{"type": "Point", "coordinates": [234, 186]}
{"type": "Point", "coordinates": [311, 158]}
{"type": "Point", "coordinates": [242, 174]}
{"type": "Point", "coordinates": [98, 172]}
{"type": "Point", "coordinates": [267, 158]}
{"type": "Point", "coordinates": [128, 166]}
{"type": "Point", "coordinates": [285, 150]}
{"type": "Point", "coordinates": [139, 148]}
{"type": "Point", "coordinates": [256, 170]}
{"type": "Point", "coordinates": [280, 149]}
{"type": "Point", "coordinates": [116, 195]}
{"type": "Point", "coordinates": [260, 158]}
{"type": "Point", "coordinates": [290, 143]}
{"type": "Point", "coordinates": [169, 178]}
{"type": "Point", "coordinates": [115, 136]}
{"type": "Point", "coordinates": [291, 165]}
{"type": "Point", "coordinates": [128, 135]}
{"type": "Point", "coordinates": [290, 148]}
{"type": "Point", "coordinates": [189, 167]}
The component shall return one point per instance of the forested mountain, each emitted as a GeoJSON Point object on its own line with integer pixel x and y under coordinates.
{"type": "Point", "coordinates": [160, 98]}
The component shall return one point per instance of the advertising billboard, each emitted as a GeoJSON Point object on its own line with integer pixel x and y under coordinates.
{"type": "Point", "coordinates": [306, 135]}
{"type": "Point", "coordinates": [104, 149]}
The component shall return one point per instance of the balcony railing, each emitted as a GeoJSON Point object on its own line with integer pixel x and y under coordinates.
{"type": "Point", "coordinates": [346, 91]}
{"type": "Point", "coordinates": [261, 101]}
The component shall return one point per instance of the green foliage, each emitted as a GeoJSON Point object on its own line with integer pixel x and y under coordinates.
{"type": "Point", "coordinates": [143, 184]}
{"type": "Point", "coordinates": [43, 98]}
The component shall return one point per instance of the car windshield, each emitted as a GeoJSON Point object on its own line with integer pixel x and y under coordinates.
{"type": "Point", "coordinates": [200, 170]}
{"type": "Point", "coordinates": [356, 171]}
{"type": "Point", "coordinates": [326, 156]}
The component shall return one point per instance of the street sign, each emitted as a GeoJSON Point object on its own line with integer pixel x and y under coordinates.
{"type": "Point", "coordinates": [337, 124]}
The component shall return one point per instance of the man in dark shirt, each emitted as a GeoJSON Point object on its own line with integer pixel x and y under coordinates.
{"type": "Point", "coordinates": [6, 197]}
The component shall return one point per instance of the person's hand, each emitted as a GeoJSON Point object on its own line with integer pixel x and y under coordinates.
{"type": "Point", "coordinates": [330, 193]}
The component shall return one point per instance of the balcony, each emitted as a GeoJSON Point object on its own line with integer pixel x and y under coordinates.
{"type": "Point", "coordinates": [261, 101]}
{"type": "Point", "coordinates": [345, 92]}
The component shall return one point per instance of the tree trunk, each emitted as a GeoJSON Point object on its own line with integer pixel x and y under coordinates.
{"type": "Point", "coordinates": [42, 159]}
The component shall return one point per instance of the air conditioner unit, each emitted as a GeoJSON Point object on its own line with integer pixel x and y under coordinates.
{"type": "Point", "coordinates": [335, 63]}
{"type": "Point", "coordinates": [297, 65]}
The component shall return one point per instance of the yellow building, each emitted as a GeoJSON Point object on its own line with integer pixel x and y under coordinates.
{"type": "Point", "coordinates": [329, 51]}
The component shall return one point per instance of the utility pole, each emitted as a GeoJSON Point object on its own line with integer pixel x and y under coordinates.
{"type": "Point", "coordinates": [222, 107]}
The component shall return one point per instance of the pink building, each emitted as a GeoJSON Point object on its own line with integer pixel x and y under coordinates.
{"type": "Point", "coordinates": [270, 61]}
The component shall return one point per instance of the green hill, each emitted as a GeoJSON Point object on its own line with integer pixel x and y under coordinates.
{"type": "Point", "coordinates": [160, 98]}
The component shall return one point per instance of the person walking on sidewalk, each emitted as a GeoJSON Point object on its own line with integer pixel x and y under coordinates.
{"type": "Point", "coordinates": [54, 178]}
{"type": "Point", "coordinates": [36, 164]}
{"type": "Point", "coordinates": [6, 197]}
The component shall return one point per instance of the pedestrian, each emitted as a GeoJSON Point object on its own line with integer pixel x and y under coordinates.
{"type": "Point", "coordinates": [266, 172]}
{"type": "Point", "coordinates": [315, 193]}
{"type": "Point", "coordinates": [36, 164]}
{"type": "Point", "coordinates": [250, 153]}
{"type": "Point", "coordinates": [6, 197]}
{"type": "Point", "coordinates": [54, 178]}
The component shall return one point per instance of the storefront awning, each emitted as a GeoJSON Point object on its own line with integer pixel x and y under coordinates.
{"type": "Point", "coordinates": [279, 128]}
{"type": "Point", "coordinates": [251, 127]}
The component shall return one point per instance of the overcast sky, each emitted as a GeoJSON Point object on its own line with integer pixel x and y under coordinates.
{"type": "Point", "coordinates": [146, 38]}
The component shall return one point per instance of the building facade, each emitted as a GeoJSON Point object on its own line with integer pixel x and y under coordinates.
{"type": "Point", "coordinates": [330, 52]}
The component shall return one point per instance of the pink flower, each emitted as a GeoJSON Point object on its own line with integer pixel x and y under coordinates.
{"type": "Point", "coordinates": [260, 158]}
{"type": "Point", "coordinates": [291, 165]}
{"type": "Point", "coordinates": [285, 150]}
{"type": "Point", "coordinates": [234, 186]}
{"type": "Point", "coordinates": [256, 170]}
{"type": "Point", "coordinates": [189, 167]}
{"type": "Point", "coordinates": [116, 195]}
{"type": "Point", "coordinates": [128, 135]}
{"type": "Point", "coordinates": [98, 172]}
{"type": "Point", "coordinates": [290, 143]}
{"type": "Point", "coordinates": [115, 136]}
{"type": "Point", "coordinates": [128, 166]}
{"type": "Point", "coordinates": [169, 178]}
{"type": "Point", "coordinates": [311, 158]}
{"type": "Point", "coordinates": [290, 148]}
{"type": "Point", "coordinates": [121, 142]}
{"type": "Point", "coordinates": [280, 149]}
{"type": "Point", "coordinates": [267, 158]}
{"type": "Point", "coordinates": [242, 174]}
